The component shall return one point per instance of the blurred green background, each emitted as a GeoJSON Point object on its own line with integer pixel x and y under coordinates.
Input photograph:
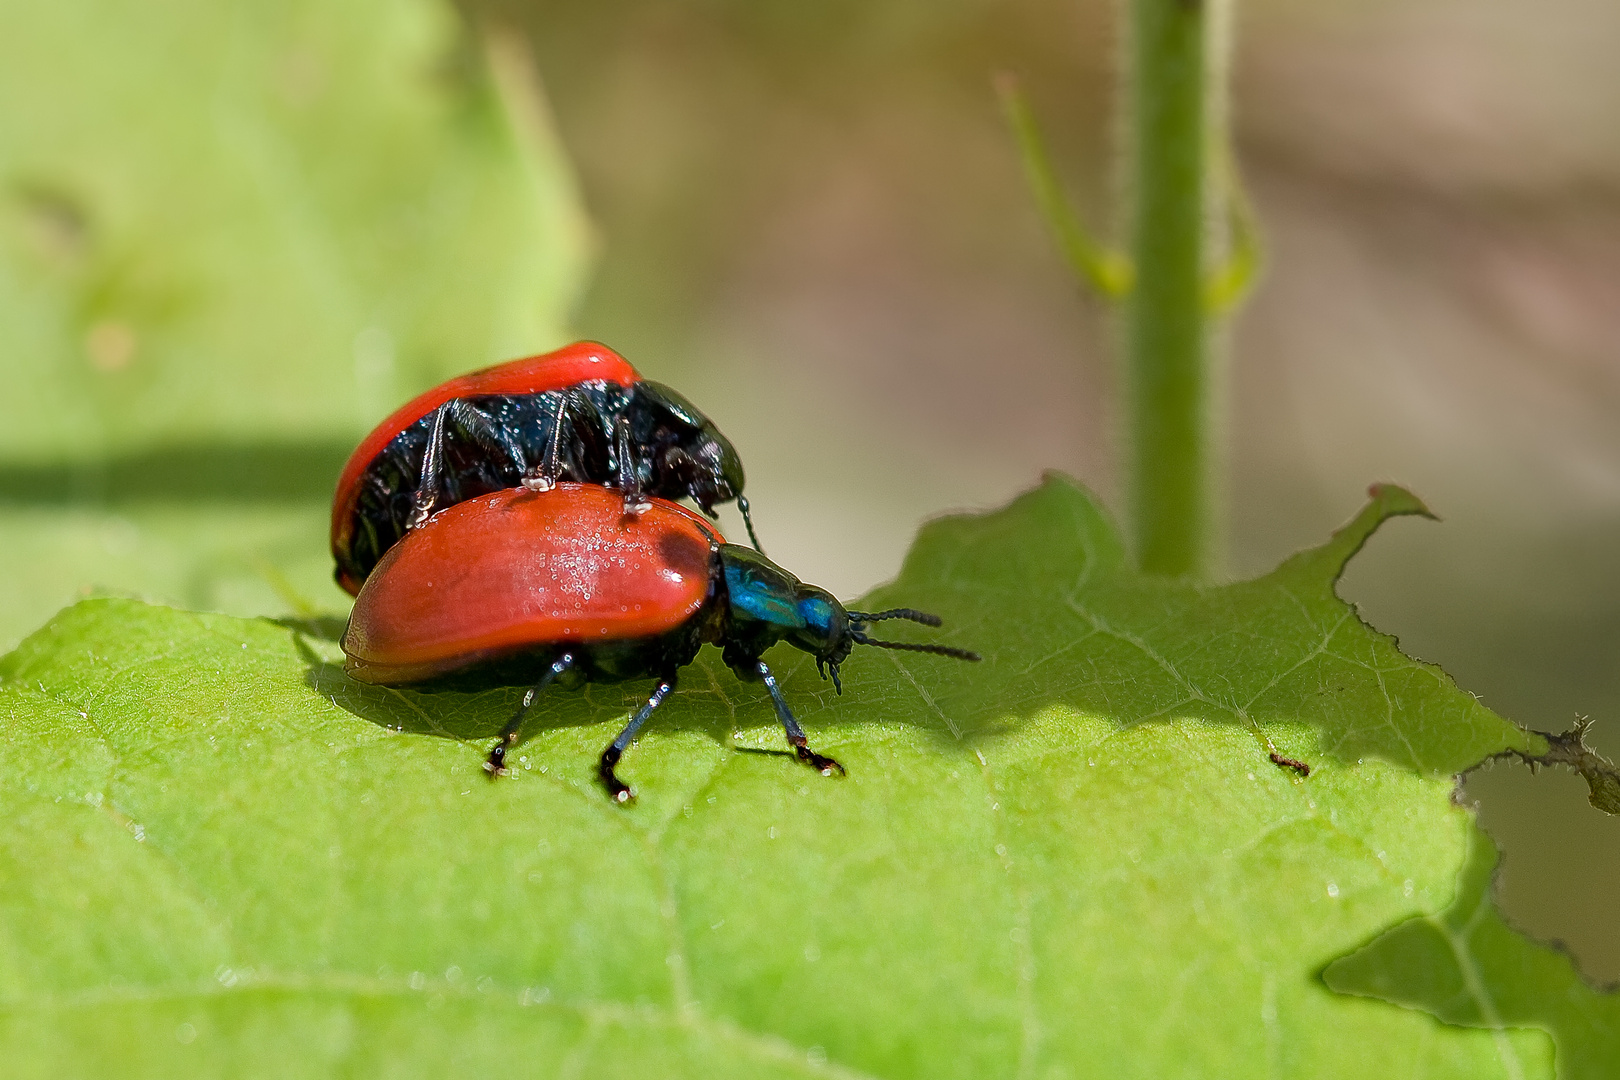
{"type": "Point", "coordinates": [811, 219]}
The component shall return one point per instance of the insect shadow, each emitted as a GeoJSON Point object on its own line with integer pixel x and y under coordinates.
{"type": "Point", "coordinates": [474, 705]}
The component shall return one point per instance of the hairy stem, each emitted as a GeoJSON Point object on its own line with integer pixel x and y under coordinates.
{"type": "Point", "coordinates": [1167, 376]}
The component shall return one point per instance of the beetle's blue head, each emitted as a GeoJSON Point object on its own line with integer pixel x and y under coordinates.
{"type": "Point", "coordinates": [768, 604]}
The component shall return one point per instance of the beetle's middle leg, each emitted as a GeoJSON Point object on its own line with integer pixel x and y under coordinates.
{"type": "Point", "coordinates": [545, 477]}
{"type": "Point", "coordinates": [463, 420]}
{"type": "Point", "coordinates": [636, 502]}
{"type": "Point", "coordinates": [617, 789]}
{"type": "Point", "coordinates": [496, 765]}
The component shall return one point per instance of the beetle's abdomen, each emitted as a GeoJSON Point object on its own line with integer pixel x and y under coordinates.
{"type": "Point", "coordinates": [385, 491]}
{"type": "Point", "coordinates": [519, 570]}
{"type": "Point", "coordinates": [385, 469]}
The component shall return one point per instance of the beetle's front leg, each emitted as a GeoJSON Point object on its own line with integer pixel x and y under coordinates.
{"type": "Point", "coordinates": [618, 790]}
{"type": "Point", "coordinates": [796, 738]}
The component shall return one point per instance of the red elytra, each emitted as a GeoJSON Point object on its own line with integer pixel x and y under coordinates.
{"type": "Point", "coordinates": [557, 370]}
{"type": "Point", "coordinates": [519, 569]}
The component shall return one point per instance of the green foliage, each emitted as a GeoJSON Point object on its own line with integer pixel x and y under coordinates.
{"type": "Point", "coordinates": [232, 236]}
{"type": "Point", "coordinates": [1073, 859]}
{"type": "Point", "coordinates": [363, 167]}
{"type": "Point", "coordinates": [1466, 966]}
{"type": "Point", "coordinates": [239, 233]}
{"type": "Point", "coordinates": [1105, 269]}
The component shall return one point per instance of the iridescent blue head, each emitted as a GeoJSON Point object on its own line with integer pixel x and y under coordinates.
{"type": "Point", "coordinates": [767, 604]}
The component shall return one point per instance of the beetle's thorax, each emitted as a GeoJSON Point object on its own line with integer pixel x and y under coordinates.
{"type": "Point", "coordinates": [762, 604]}
{"type": "Point", "coordinates": [683, 452]}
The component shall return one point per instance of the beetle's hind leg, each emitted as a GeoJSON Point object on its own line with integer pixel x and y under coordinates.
{"type": "Point", "coordinates": [617, 789]}
{"type": "Point", "coordinates": [462, 419]}
{"type": "Point", "coordinates": [826, 766]}
{"type": "Point", "coordinates": [496, 765]}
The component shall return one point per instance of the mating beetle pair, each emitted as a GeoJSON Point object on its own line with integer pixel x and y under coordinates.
{"type": "Point", "coordinates": [596, 584]}
{"type": "Point", "coordinates": [566, 576]}
{"type": "Point", "coordinates": [581, 413]}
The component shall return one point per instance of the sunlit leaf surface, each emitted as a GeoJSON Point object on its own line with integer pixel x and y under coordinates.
{"type": "Point", "coordinates": [1074, 859]}
{"type": "Point", "coordinates": [1467, 966]}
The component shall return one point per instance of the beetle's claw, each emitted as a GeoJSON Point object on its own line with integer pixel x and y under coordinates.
{"type": "Point", "coordinates": [421, 511]}
{"type": "Point", "coordinates": [824, 765]}
{"type": "Point", "coordinates": [618, 790]}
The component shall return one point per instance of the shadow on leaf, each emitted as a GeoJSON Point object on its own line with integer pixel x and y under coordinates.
{"type": "Point", "coordinates": [1069, 630]}
{"type": "Point", "coordinates": [475, 704]}
{"type": "Point", "coordinates": [200, 472]}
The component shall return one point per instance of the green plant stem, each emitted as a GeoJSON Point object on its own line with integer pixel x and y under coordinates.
{"type": "Point", "coordinates": [1166, 347]}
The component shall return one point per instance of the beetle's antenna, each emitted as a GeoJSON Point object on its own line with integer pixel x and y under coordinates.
{"type": "Point", "coordinates": [908, 646]}
{"type": "Point", "coordinates": [911, 614]}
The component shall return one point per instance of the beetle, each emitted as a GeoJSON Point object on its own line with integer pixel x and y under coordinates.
{"type": "Point", "coordinates": [581, 413]}
{"type": "Point", "coordinates": [564, 577]}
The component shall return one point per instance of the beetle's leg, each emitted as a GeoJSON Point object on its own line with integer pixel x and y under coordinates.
{"type": "Point", "coordinates": [496, 765]}
{"type": "Point", "coordinates": [610, 757]}
{"type": "Point", "coordinates": [635, 501]}
{"type": "Point", "coordinates": [826, 766]}
{"type": "Point", "coordinates": [470, 423]}
{"type": "Point", "coordinates": [679, 463]}
{"type": "Point", "coordinates": [551, 464]}
{"type": "Point", "coordinates": [427, 488]}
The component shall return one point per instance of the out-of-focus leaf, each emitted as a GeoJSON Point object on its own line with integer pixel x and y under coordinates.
{"type": "Point", "coordinates": [239, 529]}
{"type": "Point", "coordinates": [230, 228]}
{"type": "Point", "coordinates": [260, 218]}
{"type": "Point", "coordinates": [1074, 859]}
{"type": "Point", "coordinates": [250, 558]}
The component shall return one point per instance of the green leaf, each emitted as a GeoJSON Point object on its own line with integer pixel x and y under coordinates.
{"type": "Point", "coordinates": [260, 219]}
{"type": "Point", "coordinates": [232, 236]}
{"type": "Point", "coordinates": [248, 558]}
{"type": "Point", "coordinates": [1073, 859]}
{"type": "Point", "coordinates": [1469, 967]}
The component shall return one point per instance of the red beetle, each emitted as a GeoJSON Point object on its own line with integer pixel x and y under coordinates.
{"type": "Point", "coordinates": [566, 576]}
{"type": "Point", "coordinates": [580, 413]}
